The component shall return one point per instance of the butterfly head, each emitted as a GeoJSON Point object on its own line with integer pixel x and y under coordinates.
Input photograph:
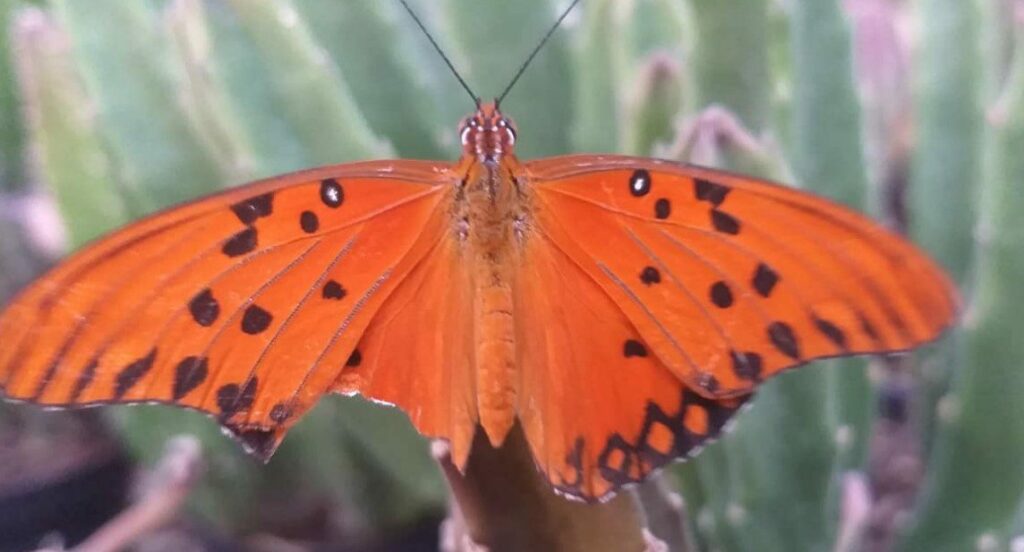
{"type": "Point", "coordinates": [487, 134]}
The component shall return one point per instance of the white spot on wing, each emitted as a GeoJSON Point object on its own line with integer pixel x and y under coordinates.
{"type": "Point", "coordinates": [332, 194]}
{"type": "Point", "coordinates": [639, 183]}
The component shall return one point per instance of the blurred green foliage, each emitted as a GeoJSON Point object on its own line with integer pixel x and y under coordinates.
{"type": "Point", "coordinates": [115, 108]}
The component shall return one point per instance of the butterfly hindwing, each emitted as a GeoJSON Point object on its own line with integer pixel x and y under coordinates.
{"type": "Point", "coordinates": [245, 305]}
{"type": "Point", "coordinates": [729, 279]}
{"type": "Point", "coordinates": [599, 409]}
{"type": "Point", "coordinates": [417, 352]}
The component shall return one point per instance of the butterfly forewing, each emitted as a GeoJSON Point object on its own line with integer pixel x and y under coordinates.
{"type": "Point", "coordinates": [245, 305]}
{"type": "Point", "coordinates": [730, 279]}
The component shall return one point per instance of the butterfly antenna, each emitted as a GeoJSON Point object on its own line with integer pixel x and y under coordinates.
{"type": "Point", "coordinates": [533, 54]}
{"type": "Point", "coordinates": [448, 62]}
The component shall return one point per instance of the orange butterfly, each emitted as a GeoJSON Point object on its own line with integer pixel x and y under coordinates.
{"type": "Point", "coordinates": [621, 308]}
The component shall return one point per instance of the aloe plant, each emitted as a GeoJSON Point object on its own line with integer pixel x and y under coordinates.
{"type": "Point", "coordinates": [12, 140]}
{"type": "Point", "coordinates": [975, 490]}
{"type": "Point", "coordinates": [115, 108]}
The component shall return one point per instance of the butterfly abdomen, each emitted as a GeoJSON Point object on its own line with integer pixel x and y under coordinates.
{"type": "Point", "coordinates": [492, 207]}
{"type": "Point", "coordinates": [495, 359]}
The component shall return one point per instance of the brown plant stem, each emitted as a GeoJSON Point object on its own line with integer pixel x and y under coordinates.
{"type": "Point", "coordinates": [506, 505]}
{"type": "Point", "coordinates": [666, 513]}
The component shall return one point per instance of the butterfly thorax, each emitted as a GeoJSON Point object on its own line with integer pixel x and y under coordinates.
{"type": "Point", "coordinates": [491, 209]}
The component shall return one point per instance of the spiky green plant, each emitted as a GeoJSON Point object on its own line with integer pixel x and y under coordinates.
{"type": "Point", "coordinates": [114, 108]}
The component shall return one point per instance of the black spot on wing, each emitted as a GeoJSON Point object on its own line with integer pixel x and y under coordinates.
{"type": "Point", "coordinates": [241, 243]}
{"type": "Point", "coordinates": [334, 290]}
{"type": "Point", "coordinates": [204, 308]}
{"type": "Point", "coordinates": [683, 440]}
{"type": "Point", "coordinates": [832, 332]}
{"type": "Point", "coordinates": [633, 348]}
{"type": "Point", "coordinates": [189, 374]}
{"type": "Point", "coordinates": [724, 222]}
{"type": "Point", "coordinates": [721, 295]}
{"type": "Point", "coordinates": [650, 275]}
{"type": "Point", "coordinates": [232, 398]}
{"type": "Point", "coordinates": [662, 208]}
{"type": "Point", "coordinates": [331, 193]}
{"type": "Point", "coordinates": [662, 437]}
{"type": "Point", "coordinates": [746, 365]}
{"type": "Point", "coordinates": [309, 222]}
{"type": "Point", "coordinates": [764, 279]}
{"type": "Point", "coordinates": [280, 412]}
{"type": "Point", "coordinates": [640, 183]}
{"type": "Point", "coordinates": [869, 328]}
{"type": "Point", "coordinates": [781, 335]}
{"type": "Point", "coordinates": [256, 320]}
{"type": "Point", "coordinates": [708, 382]}
{"type": "Point", "coordinates": [132, 373]}
{"type": "Point", "coordinates": [84, 379]}
{"type": "Point", "coordinates": [705, 190]}
{"type": "Point", "coordinates": [253, 208]}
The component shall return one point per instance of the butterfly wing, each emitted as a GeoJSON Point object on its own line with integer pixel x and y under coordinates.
{"type": "Point", "coordinates": [417, 352]}
{"type": "Point", "coordinates": [687, 286]}
{"type": "Point", "coordinates": [599, 409]}
{"type": "Point", "coordinates": [246, 305]}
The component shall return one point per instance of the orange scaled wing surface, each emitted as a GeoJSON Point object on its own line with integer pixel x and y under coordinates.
{"type": "Point", "coordinates": [417, 352]}
{"type": "Point", "coordinates": [246, 305]}
{"type": "Point", "coordinates": [659, 295]}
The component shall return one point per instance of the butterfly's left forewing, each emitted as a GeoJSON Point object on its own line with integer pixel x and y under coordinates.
{"type": "Point", "coordinates": [729, 279]}
{"type": "Point", "coordinates": [657, 296]}
{"type": "Point", "coordinates": [245, 305]}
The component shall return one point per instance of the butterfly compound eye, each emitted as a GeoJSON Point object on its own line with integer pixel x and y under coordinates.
{"type": "Point", "coordinates": [506, 126]}
{"type": "Point", "coordinates": [466, 129]}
